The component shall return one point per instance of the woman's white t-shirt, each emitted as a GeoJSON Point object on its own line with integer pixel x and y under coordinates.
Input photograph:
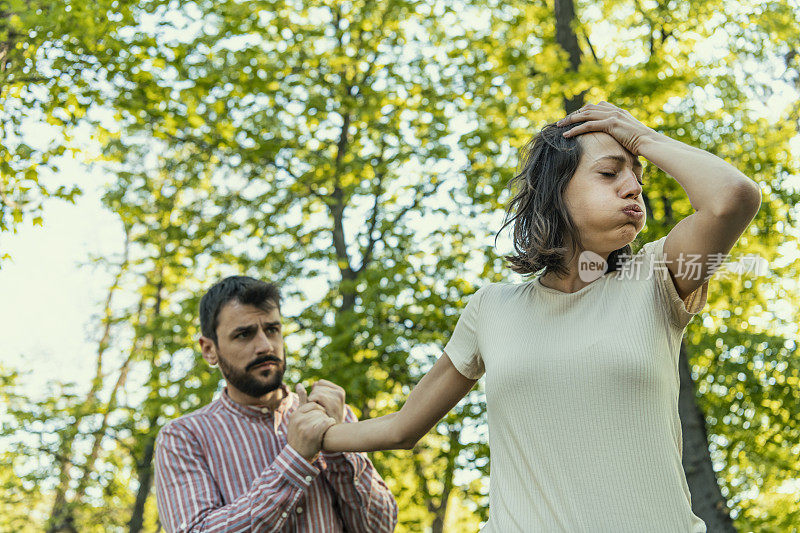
{"type": "Point", "coordinates": [582, 400]}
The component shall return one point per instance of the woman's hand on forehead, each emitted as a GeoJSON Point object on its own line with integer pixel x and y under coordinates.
{"type": "Point", "coordinates": [610, 119]}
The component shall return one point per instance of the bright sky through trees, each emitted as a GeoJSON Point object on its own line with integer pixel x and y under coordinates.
{"type": "Point", "coordinates": [51, 263]}
{"type": "Point", "coordinates": [211, 134]}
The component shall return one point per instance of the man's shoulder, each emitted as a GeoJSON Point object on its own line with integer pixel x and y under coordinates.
{"type": "Point", "coordinates": [193, 422]}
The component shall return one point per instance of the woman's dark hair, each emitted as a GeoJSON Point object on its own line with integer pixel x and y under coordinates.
{"type": "Point", "coordinates": [541, 219]}
{"type": "Point", "coordinates": [243, 289]}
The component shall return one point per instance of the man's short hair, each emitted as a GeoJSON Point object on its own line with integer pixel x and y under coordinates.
{"type": "Point", "coordinates": [243, 289]}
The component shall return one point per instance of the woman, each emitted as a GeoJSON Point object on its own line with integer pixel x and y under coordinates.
{"type": "Point", "coordinates": [581, 365]}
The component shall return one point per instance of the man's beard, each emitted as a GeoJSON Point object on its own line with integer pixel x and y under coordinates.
{"type": "Point", "coordinates": [246, 382]}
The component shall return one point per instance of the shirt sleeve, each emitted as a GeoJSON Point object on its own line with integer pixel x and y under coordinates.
{"type": "Point", "coordinates": [365, 502]}
{"type": "Point", "coordinates": [462, 348]}
{"type": "Point", "coordinates": [188, 498]}
{"type": "Point", "coordinates": [680, 311]}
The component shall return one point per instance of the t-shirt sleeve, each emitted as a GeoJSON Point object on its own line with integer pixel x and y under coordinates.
{"type": "Point", "coordinates": [462, 348]}
{"type": "Point", "coordinates": [680, 311]}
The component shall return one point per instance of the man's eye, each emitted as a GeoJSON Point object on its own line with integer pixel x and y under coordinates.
{"type": "Point", "coordinates": [242, 335]}
{"type": "Point", "coordinates": [608, 173]}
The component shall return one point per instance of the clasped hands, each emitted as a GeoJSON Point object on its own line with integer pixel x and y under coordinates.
{"type": "Point", "coordinates": [318, 411]}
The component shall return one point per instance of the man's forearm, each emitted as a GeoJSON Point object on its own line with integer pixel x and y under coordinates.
{"type": "Point", "coordinates": [188, 503]}
{"type": "Point", "coordinates": [365, 502]}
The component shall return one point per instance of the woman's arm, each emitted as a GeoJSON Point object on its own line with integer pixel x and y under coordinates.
{"type": "Point", "coordinates": [436, 393]}
{"type": "Point", "coordinates": [725, 200]}
{"type": "Point", "coordinates": [712, 184]}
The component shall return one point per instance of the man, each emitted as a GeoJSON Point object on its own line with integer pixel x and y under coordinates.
{"type": "Point", "coordinates": [250, 460]}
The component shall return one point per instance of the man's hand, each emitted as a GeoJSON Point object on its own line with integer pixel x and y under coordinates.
{"type": "Point", "coordinates": [331, 397]}
{"type": "Point", "coordinates": [306, 425]}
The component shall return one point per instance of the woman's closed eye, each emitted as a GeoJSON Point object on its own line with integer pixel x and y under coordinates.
{"type": "Point", "coordinates": [612, 174]}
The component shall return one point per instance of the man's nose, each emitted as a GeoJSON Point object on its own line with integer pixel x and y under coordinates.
{"type": "Point", "coordinates": [263, 343]}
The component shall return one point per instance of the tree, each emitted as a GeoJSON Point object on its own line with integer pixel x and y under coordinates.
{"type": "Point", "coordinates": [657, 72]}
{"type": "Point", "coordinates": [359, 153]}
{"type": "Point", "coordinates": [49, 51]}
{"type": "Point", "coordinates": [330, 167]}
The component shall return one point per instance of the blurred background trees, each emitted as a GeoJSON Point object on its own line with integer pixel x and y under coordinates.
{"type": "Point", "coordinates": [358, 153]}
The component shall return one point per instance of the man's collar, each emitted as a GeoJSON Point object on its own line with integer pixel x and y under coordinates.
{"type": "Point", "coordinates": [255, 411]}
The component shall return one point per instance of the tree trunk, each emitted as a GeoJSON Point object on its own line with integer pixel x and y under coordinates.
{"type": "Point", "coordinates": [144, 466]}
{"type": "Point", "coordinates": [144, 472]}
{"type": "Point", "coordinates": [440, 510]}
{"type": "Point", "coordinates": [61, 519]}
{"type": "Point", "coordinates": [668, 217]}
{"type": "Point", "coordinates": [565, 36]}
{"type": "Point", "coordinates": [707, 500]}
{"type": "Point", "coordinates": [99, 435]}
{"type": "Point", "coordinates": [61, 515]}
{"type": "Point", "coordinates": [437, 506]}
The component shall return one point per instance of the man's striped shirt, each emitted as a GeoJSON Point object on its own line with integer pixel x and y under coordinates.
{"type": "Point", "coordinates": [227, 467]}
